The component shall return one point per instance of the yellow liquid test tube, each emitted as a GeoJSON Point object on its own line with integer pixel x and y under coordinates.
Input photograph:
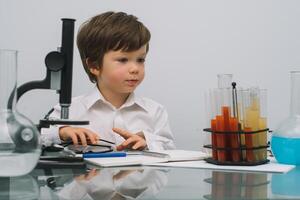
{"type": "Point", "coordinates": [252, 122]}
{"type": "Point", "coordinates": [263, 138]}
{"type": "Point", "coordinates": [252, 118]}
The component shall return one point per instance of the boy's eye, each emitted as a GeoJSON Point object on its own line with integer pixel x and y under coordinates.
{"type": "Point", "coordinates": [141, 60]}
{"type": "Point", "coordinates": [122, 60]}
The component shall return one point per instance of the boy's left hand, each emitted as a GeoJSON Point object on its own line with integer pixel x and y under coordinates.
{"type": "Point", "coordinates": [132, 141]}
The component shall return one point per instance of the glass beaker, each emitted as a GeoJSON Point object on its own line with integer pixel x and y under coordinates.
{"type": "Point", "coordinates": [19, 139]}
{"type": "Point", "coordinates": [219, 114]}
{"type": "Point", "coordinates": [285, 142]}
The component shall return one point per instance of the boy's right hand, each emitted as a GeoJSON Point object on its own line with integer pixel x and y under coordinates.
{"type": "Point", "coordinates": [77, 134]}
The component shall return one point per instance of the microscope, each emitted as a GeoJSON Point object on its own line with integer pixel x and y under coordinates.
{"type": "Point", "coordinates": [59, 66]}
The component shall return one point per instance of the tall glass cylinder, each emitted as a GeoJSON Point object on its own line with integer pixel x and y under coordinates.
{"type": "Point", "coordinates": [19, 139]}
{"type": "Point", "coordinates": [224, 80]}
{"type": "Point", "coordinates": [285, 140]}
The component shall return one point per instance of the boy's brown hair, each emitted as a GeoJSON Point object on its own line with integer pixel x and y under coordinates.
{"type": "Point", "coordinates": [110, 31]}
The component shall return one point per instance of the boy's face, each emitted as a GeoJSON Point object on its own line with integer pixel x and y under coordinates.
{"type": "Point", "coordinates": [121, 72]}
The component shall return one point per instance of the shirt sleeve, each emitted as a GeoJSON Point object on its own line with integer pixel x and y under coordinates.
{"type": "Point", "coordinates": [161, 138]}
{"type": "Point", "coordinates": [51, 135]}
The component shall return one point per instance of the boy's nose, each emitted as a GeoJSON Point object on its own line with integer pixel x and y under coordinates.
{"type": "Point", "coordinates": [134, 69]}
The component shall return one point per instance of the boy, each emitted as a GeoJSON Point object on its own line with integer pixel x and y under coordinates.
{"type": "Point", "coordinates": [113, 47]}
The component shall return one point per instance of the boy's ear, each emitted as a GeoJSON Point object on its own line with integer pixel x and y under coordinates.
{"type": "Point", "coordinates": [93, 67]}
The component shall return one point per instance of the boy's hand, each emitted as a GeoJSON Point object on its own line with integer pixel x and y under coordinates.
{"type": "Point", "coordinates": [134, 141]}
{"type": "Point", "coordinates": [78, 134]}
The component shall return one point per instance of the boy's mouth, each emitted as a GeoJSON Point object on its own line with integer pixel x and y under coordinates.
{"type": "Point", "coordinates": [132, 82]}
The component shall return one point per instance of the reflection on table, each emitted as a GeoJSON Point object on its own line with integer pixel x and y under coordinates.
{"type": "Point", "coordinates": [112, 183]}
{"type": "Point", "coordinates": [149, 183]}
{"type": "Point", "coordinates": [286, 185]}
{"type": "Point", "coordinates": [233, 185]}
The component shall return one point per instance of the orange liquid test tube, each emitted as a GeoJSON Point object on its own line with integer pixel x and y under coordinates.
{"type": "Point", "coordinates": [234, 140]}
{"type": "Point", "coordinates": [226, 115]}
{"type": "Point", "coordinates": [214, 139]}
{"type": "Point", "coordinates": [221, 143]}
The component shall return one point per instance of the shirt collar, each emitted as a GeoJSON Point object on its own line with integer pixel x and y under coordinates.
{"type": "Point", "coordinates": [95, 95]}
{"type": "Point", "coordinates": [91, 98]}
{"type": "Point", "coordinates": [134, 100]}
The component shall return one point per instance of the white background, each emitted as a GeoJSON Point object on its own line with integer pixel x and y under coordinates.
{"type": "Point", "coordinates": [192, 41]}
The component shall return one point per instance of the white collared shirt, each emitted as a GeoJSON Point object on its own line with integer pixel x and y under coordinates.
{"type": "Point", "coordinates": [135, 115]}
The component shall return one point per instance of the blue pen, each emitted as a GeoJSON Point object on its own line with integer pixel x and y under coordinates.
{"type": "Point", "coordinates": [104, 155]}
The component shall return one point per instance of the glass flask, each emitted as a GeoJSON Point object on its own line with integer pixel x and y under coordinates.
{"type": "Point", "coordinates": [19, 139]}
{"type": "Point", "coordinates": [285, 141]}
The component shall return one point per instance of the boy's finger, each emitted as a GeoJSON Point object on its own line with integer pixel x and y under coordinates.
{"type": "Point", "coordinates": [74, 138]}
{"type": "Point", "coordinates": [126, 144]}
{"type": "Point", "coordinates": [129, 141]}
{"type": "Point", "coordinates": [138, 145]}
{"type": "Point", "coordinates": [82, 138]}
{"type": "Point", "coordinates": [123, 133]}
{"type": "Point", "coordinates": [91, 136]}
{"type": "Point", "coordinates": [97, 137]}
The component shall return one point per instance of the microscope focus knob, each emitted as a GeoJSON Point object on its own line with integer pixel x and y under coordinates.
{"type": "Point", "coordinates": [55, 61]}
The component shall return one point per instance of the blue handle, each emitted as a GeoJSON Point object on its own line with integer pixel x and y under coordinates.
{"type": "Point", "coordinates": [104, 155]}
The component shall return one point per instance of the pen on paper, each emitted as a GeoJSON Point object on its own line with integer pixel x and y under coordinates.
{"type": "Point", "coordinates": [104, 155]}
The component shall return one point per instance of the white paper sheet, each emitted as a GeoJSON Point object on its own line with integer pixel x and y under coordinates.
{"type": "Point", "coordinates": [184, 155]}
{"type": "Point", "coordinates": [272, 166]}
{"type": "Point", "coordinates": [139, 158]}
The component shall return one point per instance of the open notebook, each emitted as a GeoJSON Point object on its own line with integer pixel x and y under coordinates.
{"type": "Point", "coordinates": [147, 157]}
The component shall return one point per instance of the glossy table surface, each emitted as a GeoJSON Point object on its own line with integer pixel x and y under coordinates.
{"type": "Point", "coordinates": [150, 183]}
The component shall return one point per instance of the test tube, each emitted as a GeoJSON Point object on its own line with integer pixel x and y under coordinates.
{"type": "Point", "coordinates": [262, 136]}
{"type": "Point", "coordinates": [224, 100]}
{"type": "Point", "coordinates": [217, 125]}
{"type": "Point", "coordinates": [251, 115]}
{"type": "Point", "coordinates": [240, 97]}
